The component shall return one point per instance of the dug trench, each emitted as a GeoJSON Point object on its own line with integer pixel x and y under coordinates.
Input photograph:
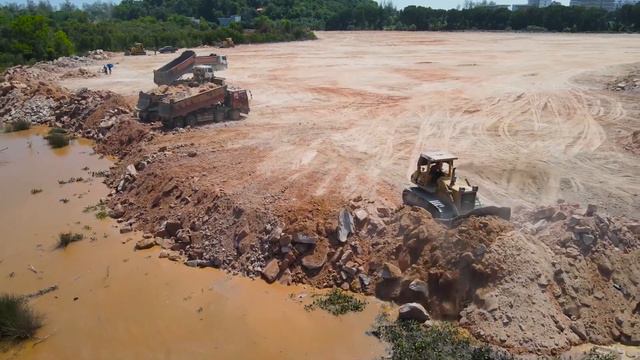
{"type": "Point", "coordinates": [552, 278]}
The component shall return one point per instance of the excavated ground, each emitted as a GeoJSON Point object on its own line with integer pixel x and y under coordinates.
{"type": "Point", "coordinates": [307, 189]}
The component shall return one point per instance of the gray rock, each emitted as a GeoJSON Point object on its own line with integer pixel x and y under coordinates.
{"type": "Point", "coordinates": [581, 230]}
{"type": "Point", "coordinates": [350, 268]}
{"type": "Point", "coordinates": [413, 311]}
{"type": "Point", "coordinates": [587, 239]}
{"type": "Point", "coordinates": [126, 229]}
{"type": "Point", "coordinates": [145, 244]}
{"type": "Point", "coordinates": [345, 225]}
{"type": "Point", "coordinates": [361, 215]}
{"type": "Point", "coordinates": [271, 271]}
{"type": "Point", "coordinates": [171, 227]}
{"type": "Point", "coordinates": [574, 220]}
{"type": "Point", "coordinates": [544, 213]}
{"type": "Point", "coordinates": [591, 210]}
{"type": "Point", "coordinates": [578, 328]}
{"type": "Point", "coordinates": [199, 263]}
{"type": "Point", "coordinates": [559, 216]}
{"type": "Point", "coordinates": [364, 280]}
{"type": "Point", "coordinates": [390, 272]}
{"type": "Point", "coordinates": [314, 261]}
{"type": "Point", "coordinates": [131, 170]}
{"type": "Point", "coordinates": [301, 238]}
{"type": "Point", "coordinates": [117, 212]}
{"type": "Point", "coordinates": [419, 287]}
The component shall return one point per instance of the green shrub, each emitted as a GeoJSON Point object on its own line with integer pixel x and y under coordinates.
{"type": "Point", "coordinates": [57, 138]}
{"type": "Point", "coordinates": [595, 355]}
{"type": "Point", "coordinates": [411, 340]}
{"type": "Point", "coordinates": [17, 320]}
{"type": "Point", "coordinates": [17, 125]}
{"type": "Point", "coordinates": [337, 302]}
{"type": "Point", "coordinates": [64, 239]}
{"type": "Point", "coordinates": [102, 214]}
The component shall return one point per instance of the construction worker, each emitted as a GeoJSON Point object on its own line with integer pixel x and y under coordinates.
{"type": "Point", "coordinates": [109, 67]}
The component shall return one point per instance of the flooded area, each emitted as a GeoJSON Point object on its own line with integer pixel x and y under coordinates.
{"type": "Point", "coordinates": [114, 303]}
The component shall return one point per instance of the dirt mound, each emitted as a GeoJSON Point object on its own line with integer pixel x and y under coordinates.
{"type": "Point", "coordinates": [88, 113]}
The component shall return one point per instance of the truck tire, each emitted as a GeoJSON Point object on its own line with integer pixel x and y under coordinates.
{"type": "Point", "coordinates": [179, 122]}
{"type": "Point", "coordinates": [192, 120]}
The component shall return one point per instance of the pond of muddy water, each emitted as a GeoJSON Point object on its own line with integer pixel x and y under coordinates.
{"type": "Point", "coordinates": [114, 303]}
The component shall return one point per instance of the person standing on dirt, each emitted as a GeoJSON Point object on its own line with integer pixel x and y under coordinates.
{"type": "Point", "coordinates": [109, 67]}
{"type": "Point", "coordinates": [104, 69]}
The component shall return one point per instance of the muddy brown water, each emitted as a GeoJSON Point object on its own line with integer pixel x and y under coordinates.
{"type": "Point", "coordinates": [114, 303]}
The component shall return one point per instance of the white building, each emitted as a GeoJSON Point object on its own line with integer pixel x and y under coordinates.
{"type": "Point", "coordinates": [608, 5]}
{"type": "Point", "coordinates": [540, 3]}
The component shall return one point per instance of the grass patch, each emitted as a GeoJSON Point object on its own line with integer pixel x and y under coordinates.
{"type": "Point", "coordinates": [594, 354]}
{"type": "Point", "coordinates": [58, 138]}
{"type": "Point", "coordinates": [410, 340]}
{"type": "Point", "coordinates": [17, 125]}
{"type": "Point", "coordinates": [100, 210]}
{"type": "Point", "coordinates": [35, 191]}
{"type": "Point", "coordinates": [337, 302]}
{"type": "Point", "coordinates": [17, 320]}
{"type": "Point", "coordinates": [64, 239]}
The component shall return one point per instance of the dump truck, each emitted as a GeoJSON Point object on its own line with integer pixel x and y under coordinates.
{"type": "Point", "coordinates": [184, 64]}
{"type": "Point", "coordinates": [438, 191]}
{"type": "Point", "coordinates": [136, 49]}
{"type": "Point", "coordinates": [216, 104]}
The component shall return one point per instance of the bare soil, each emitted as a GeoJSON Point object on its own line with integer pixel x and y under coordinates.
{"type": "Point", "coordinates": [338, 123]}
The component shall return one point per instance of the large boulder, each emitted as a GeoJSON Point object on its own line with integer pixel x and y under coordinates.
{"type": "Point", "coordinates": [145, 244]}
{"type": "Point", "coordinates": [171, 227]}
{"type": "Point", "coordinates": [345, 225]}
{"type": "Point", "coordinates": [316, 259]}
{"type": "Point", "coordinates": [413, 311]}
{"type": "Point", "coordinates": [390, 272]}
{"type": "Point", "coordinates": [271, 271]}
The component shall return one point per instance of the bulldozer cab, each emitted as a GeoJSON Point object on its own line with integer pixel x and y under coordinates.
{"type": "Point", "coordinates": [433, 168]}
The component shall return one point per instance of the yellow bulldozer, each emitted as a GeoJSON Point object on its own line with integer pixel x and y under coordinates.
{"type": "Point", "coordinates": [136, 49]}
{"type": "Point", "coordinates": [439, 191]}
{"type": "Point", "coordinates": [227, 43]}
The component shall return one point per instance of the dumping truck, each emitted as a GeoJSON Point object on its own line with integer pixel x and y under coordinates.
{"type": "Point", "coordinates": [216, 104]}
{"type": "Point", "coordinates": [438, 191]}
{"type": "Point", "coordinates": [184, 64]}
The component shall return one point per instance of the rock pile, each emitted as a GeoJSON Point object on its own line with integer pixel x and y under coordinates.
{"type": "Point", "coordinates": [92, 114]}
{"type": "Point", "coordinates": [630, 82]}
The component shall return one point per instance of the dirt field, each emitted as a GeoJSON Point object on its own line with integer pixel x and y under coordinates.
{"type": "Point", "coordinates": [335, 129]}
{"type": "Point", "coordinates": [524, 112]}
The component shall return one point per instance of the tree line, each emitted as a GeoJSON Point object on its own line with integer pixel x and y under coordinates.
{"type": "Point", "coordinates": [39, 31]}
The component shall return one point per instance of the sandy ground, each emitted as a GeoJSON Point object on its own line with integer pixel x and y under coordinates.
{"type": "Point", "coordinates": [526, 113]}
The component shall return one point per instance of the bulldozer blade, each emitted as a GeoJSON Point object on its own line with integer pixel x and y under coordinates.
{"type": "Point", "coordinates": [440, 210]}
{"type": "Point", "coordinates": [501, 212]}
{"type": "Point", "coordinates": [447, 213]}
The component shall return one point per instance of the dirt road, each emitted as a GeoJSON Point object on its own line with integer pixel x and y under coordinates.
{"type": "Point", "coordinates": [526, 113]}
